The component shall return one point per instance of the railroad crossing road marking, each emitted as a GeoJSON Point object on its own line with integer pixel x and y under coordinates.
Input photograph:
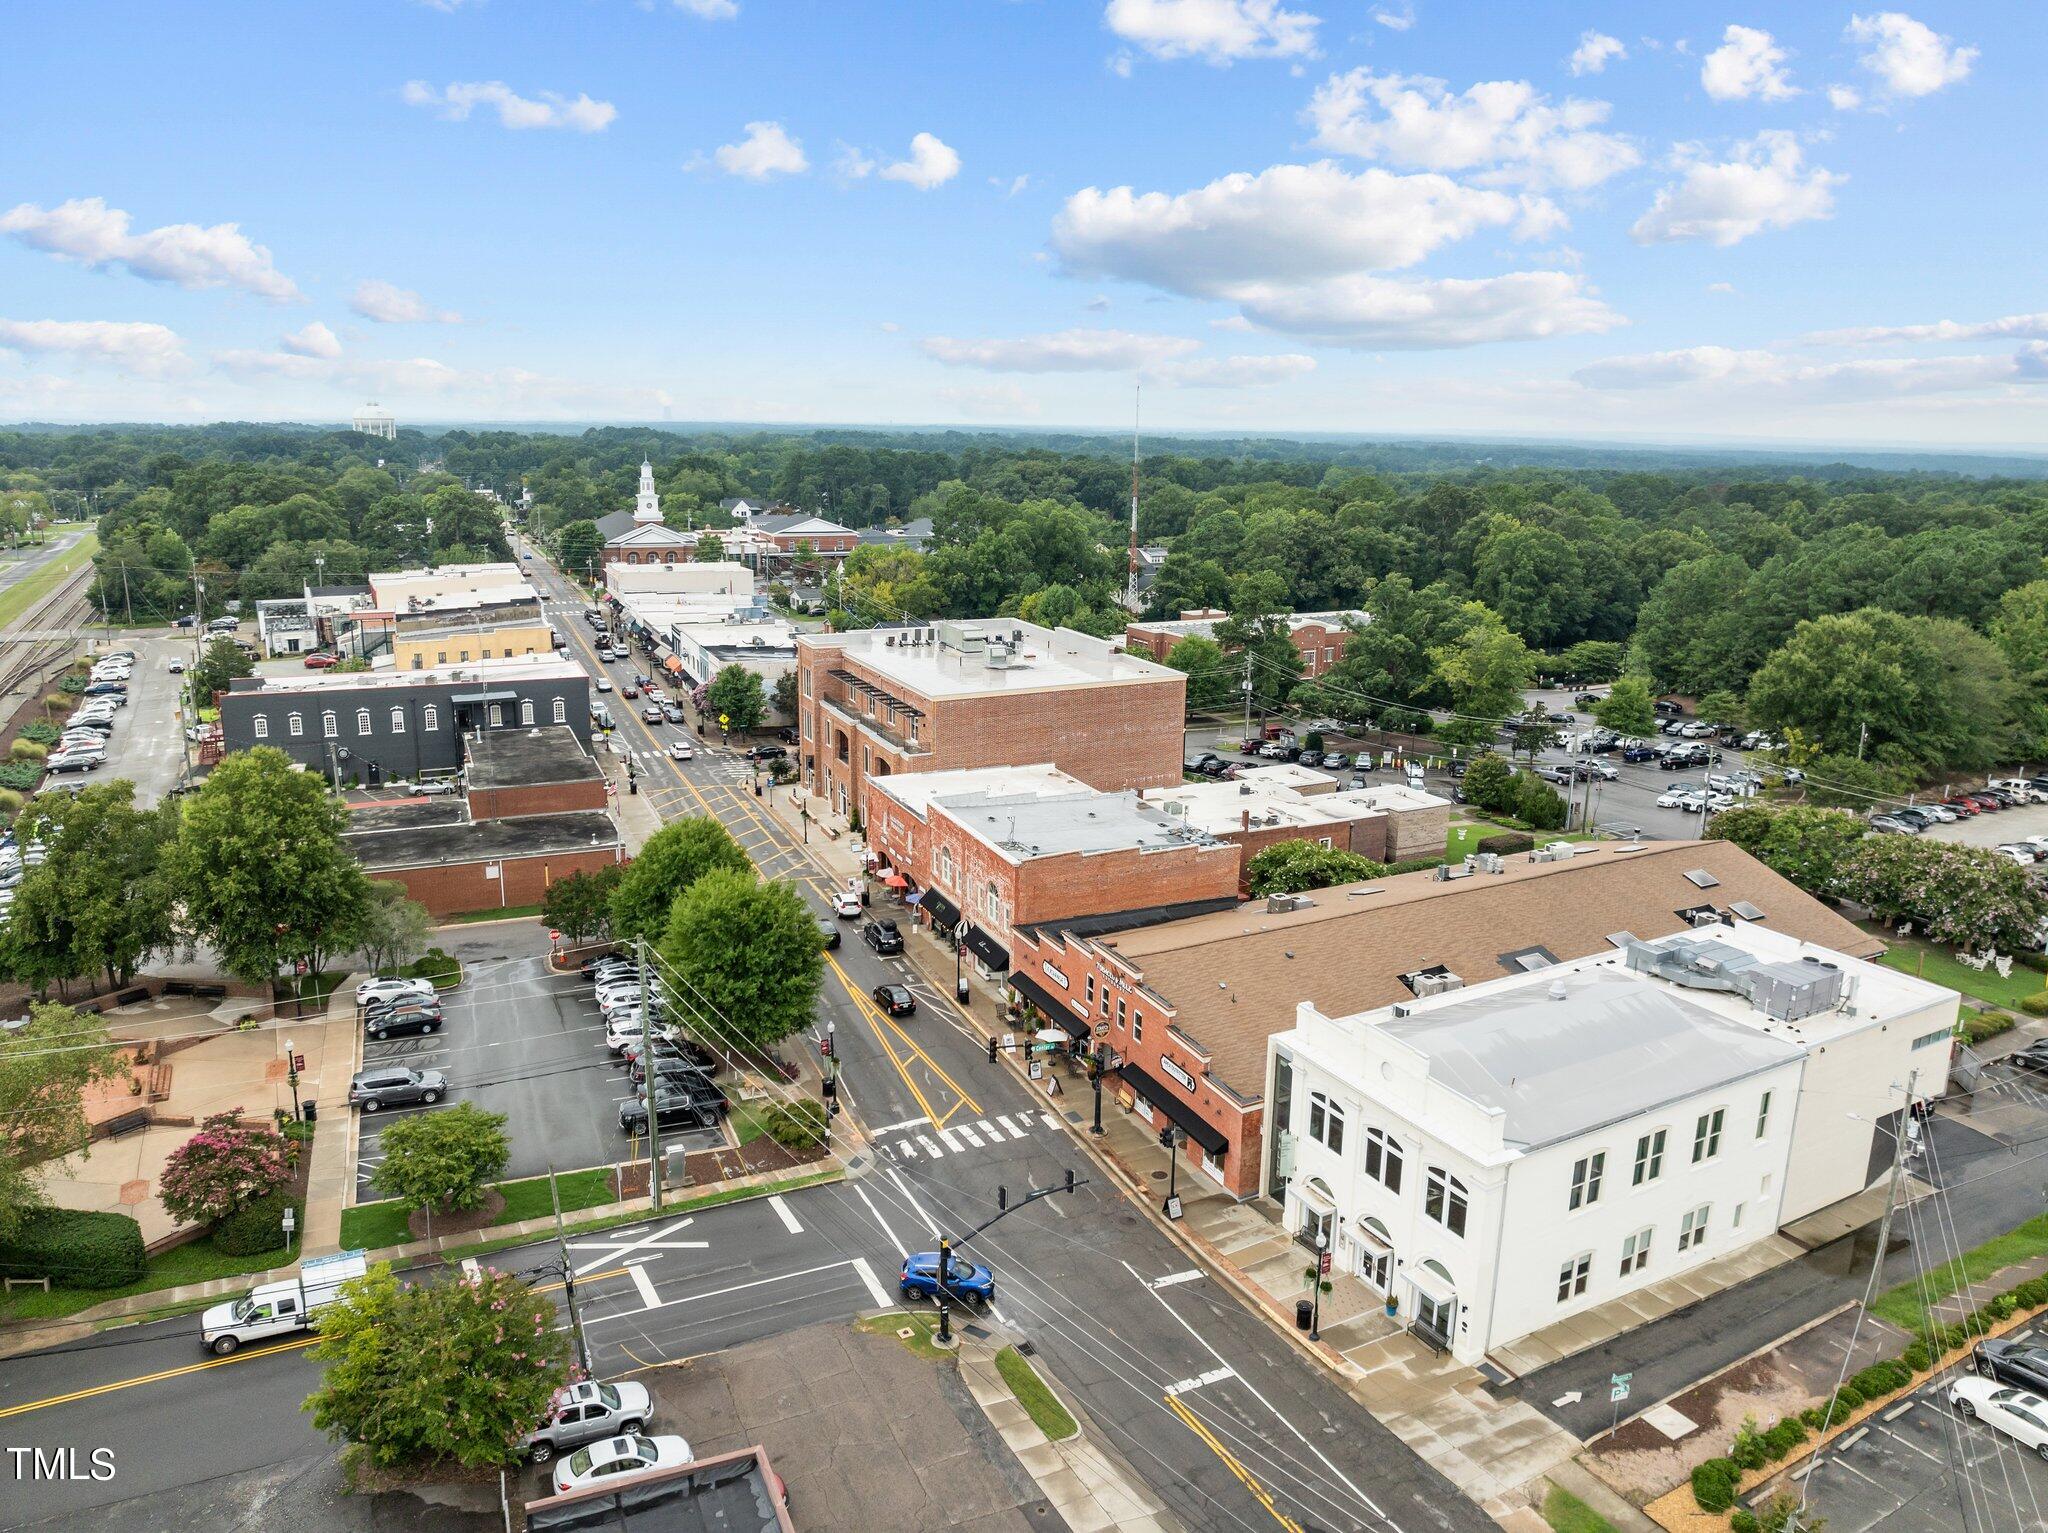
{"type": "Point", "coordinates": [657, 1240]}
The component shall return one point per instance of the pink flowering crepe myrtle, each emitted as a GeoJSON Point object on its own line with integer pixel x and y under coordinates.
{"type": "Point", "coordinates": [225, 1166]}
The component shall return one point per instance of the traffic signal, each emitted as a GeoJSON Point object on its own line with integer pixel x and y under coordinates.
{"type": "Point", "coordinates": [1070, 1178]}
{"type": "Point", "coordinates": [991, 1051]}
{"type": "Point", "coordinates": [1166, 1139]}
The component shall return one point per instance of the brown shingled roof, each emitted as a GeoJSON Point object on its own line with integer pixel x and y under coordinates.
{"type": "Point", "coordinates": [1235, 977]}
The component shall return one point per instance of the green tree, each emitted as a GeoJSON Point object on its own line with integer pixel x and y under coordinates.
{"type": "Point", "coordinates": [1724, 708]}
{"type": "Point", "coordinates": [1628, 708]}
{"type": "Point", "coordinates": [2020, 629]}
{"type": "Point", "coordinates": [1212, 680]}
{"type": "Point", "coordinates": [225, 1166]}
{"type": "Point", "coordinates": [1594, 660]}
{"type": "Point", "coordinates": [1486, 669]}
{"type": "Point", "coordinates": [443, 1160]}
{"type": "Point", "coordinates": [395, 928]}
{"type": "Point", "coordinates": [261, 869]}
{"type": "Point", "coordinates": [710, 547]}
{"type": "Point", "coordinates": [579, 906]}
{"type": "Point", "coordinates": [424, 1374]}
{"type": "Point", "coordinates": [578, 546]}
{"type": "Point", "coordinates": [1798, 841]}
{"type": "Point", "coordinates": [737, 696]}
{"type": "Point", "coordinates": [1533, 578]}
{"type": "Point", "coordinates": [101, 901]}
{"type": "Point", "coordinates": [1672, 644]}
{"type": "Point", "coordinates": [1490, 783]}
{"type": "Point", "coordinates": [46, 1065]}
{"type": "Point", "coordinates": [785, 695]}
{"type": "Point", "coordinates": [1964, 897]}
{"type": "Point", "coordinates": [747, 953]}
{"type": "Point", "coordinates": [1537, 803]}
{"type": "Point", "coordinates": [1257, 626]}
{"type": "Point", "coordinates": [1294, 867]}
{"type": "Point", "coordinates": [218, 665]}
{"type": "Point", "coordinates": [673, 859]}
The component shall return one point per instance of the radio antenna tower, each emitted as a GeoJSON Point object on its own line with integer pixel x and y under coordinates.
{"type": "Point", "coordinates": [1131, 588]}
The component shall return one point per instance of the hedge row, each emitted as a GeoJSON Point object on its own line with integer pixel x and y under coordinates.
{"type": "Point", "coordinates": [257, 1226]}
{"type": "Point", "coordinates": [798, 1126]}
{"type": "Point", "coordinates": [1507, 843]}
{"type": "Point", "coordinates": [75, 1247]}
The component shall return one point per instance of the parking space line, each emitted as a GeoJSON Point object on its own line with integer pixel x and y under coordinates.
{"type": "Point", "coordinates": [782, 1212]}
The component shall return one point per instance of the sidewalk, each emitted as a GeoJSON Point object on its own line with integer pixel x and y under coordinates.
{"type": "Point", "coordinates": [331, 1177]}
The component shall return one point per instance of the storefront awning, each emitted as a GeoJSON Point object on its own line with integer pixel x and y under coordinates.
{"type": "Point", "coordinates": [1199, 1129]}
{"type": "Point", "coordinates": [1047, 1001]}
{"type": "Point", "coordinates": [986, 948]}
{"type": "Point", "coordinates": [500, 695]}
{"type": "Point", "coordinates": [1429, 1285]}
{"type": "Point", "coordinates": [673, 666]}
{"type": "Point", "coordinates": [895, 880]}
{"type": "Point", "coordinates": [944, 913]}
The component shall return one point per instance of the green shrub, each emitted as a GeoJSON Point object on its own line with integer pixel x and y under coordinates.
{"type": "Point", "coordinates": [1748, 1449]}
{"type": "Point", "coordinates": [1881, 1379]}
{"type": "Point", "coordinates": [258, 1226]}
{"type": "Point", "coordinates": [20, 775]}
{"type": "Point", "coordinates": [1915, 1357]}
{"type": "Point", "coordinates": [1713, 1484]}
{"type": "Point", "coordinates": [1418, 865]}
{"type": "Point", "coordinates": [2038, 962]}
{"type": "Point", "coordinates": [1814, 1416]}
{"type": "Point", "coordinates": [74, 684]}
{"type": "Point", "coordinates": [797, 1126]}
{"type": "Point", "coordinates": [2033, 1293]}
{"type": "Point", "coordinates": [2003, 1306]}
{"type": "Point", "coordinates": [1742, 1520]}
{"type": "Point", "coordinates": [1981, 1025]}
{"type": "Point", "coordinates": [76, 1248]}
{"type": "Point", "coordinates": [2035, 1005]}
{"type": "Point", "coordinates": [1954, 1336]}
{"type": "Point", "coordinates": [1784, 1437]}
{"type": "Point", "coordinates": [1506, 843]}
{"type": "Point", "coordinates": [27, 750]}
{"type": "Point", "coordinates": [1847, 1400]}
{"type": "Point", "coordinates": [46, 734]}
{"type": "Point", "coordinates": [435, 964]}
{"type": "Point", "coordinates": [11, 802]}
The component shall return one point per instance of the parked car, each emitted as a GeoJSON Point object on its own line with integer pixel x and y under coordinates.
{"type": "Point", "coordinates": [895, 1000]}
{"type": "Point", "coordinates": [1600, 769]}
{"type": "Point", "coordinates": [1886, 824]}
{"type": "Point", "coordinates": [2017, 851]}
{"type": "Point", "coordinates": [761, 753]}
{"type": "Point", "coordinates": [82, 761]}
{"type": "Point", "coordinates": [117, 690]}
{"type": "Point", "coordinates": [2018, 1413]}
{"type": "Point", "coordinates": [1940, 813]}
{"type": "Point", "coordinates": [1678, 798]}
{"type": "Point", "coordinates": [680, 1101]}
{"type": "Point", "coordinates": [1915, 816]}
{"type": "Point", "coordinates": [673, 712]}
{"type": "Point", "coordinates": [828, 932]}
{"type": "Point", "coordinates": [614, 1459]}
{"type": "Point", "coordinates": [395, 1086]}
{"type": "Point", "coordinates": [882, 936]}
{"type": "Point", "coordinates": [2023, 1364]}
{"type": "Point", "coordinates": [403, 1018]}
{"type": "Point", "coordinates": [964, 1279]}
{"type": "Point", "coordinates": [1636, 754]}
{"type": "Point", "coordinates": [1550, 773]}
{"type": "Point", "coordinates": [390, 986]}
{"type": "Point", "coordinates": [846, 904]}
{"type": "Point", "coordinates": [2033, 1057]}
{"type": "Point", "coordinates": [320, 660]}
{"type": "Point", "coordinates": [627, 1027]}
{"type": "Point", "coordinates": [582, 1412]}
{"type": "Point", "coordinates": [673, 1049]}
{"type": "Point", "coordinates": [176, 667]}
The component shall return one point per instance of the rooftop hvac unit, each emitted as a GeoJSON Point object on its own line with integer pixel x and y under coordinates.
{"type": "Point", "coordinates": [1437, 984]}
{"type": "Point", "coordinates": [1488, 862]}
{"type": "Point", "coordinates": [1449, 870]}
{"type": "Point", "coordinates": [1280, 904]}
{"type": "Point", "coordinates": [1706, 916]}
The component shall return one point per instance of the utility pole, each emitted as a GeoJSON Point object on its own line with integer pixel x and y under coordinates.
{"type": "Point", "coordinates": [198, 623]}
{"type": "Point", "coordinates": [1246, 687]}
{"type": "Point", "coordinates": [1862, 739]}
{"type": "Point", "coordinates": [1131, 589]}
{"type": "Point", "coordinates": [568, 1275]}
{"type": "Point", "coordinates": [127, 606]}
{"type": "Point", "coordinates": [647, 1073]}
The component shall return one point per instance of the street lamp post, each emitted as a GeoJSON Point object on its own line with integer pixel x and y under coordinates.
{"type": "Point", "coordinates": [1315, 1320]}
{"type": "Point", "coordinates": [1172, 1138]}
{"type": "Point", "coordinates": [291, 1077]}
{"type": "Point", "coordinates": [1096, 1126]}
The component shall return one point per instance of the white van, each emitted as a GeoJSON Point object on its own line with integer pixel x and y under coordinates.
{"type": "Point", "coordinates": [279, 1309]}
{"type": "Point", "coordinates": [2019, 787]}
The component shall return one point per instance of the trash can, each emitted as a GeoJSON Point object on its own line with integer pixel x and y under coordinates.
{"type": "Point", "coordinates": [1304, 1312]}
{"type": "Point", "coordinates": [310, 1110]}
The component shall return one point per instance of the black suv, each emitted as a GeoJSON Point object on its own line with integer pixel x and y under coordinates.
{"type": "Point", "coordinates": [882, 936]}
{"type": "Point", "coordinates": [402, 1017]}
{"type": "Point", "coordinates": [768, 753]}
{"type": "Point", "coordinates": [679, 1102]}
{"type": "Point", "coordinates": [673, 1051]}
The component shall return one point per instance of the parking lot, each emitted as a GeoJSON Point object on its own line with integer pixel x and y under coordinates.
{"type": "Point", "coordinates": [527, 1043]}
{"type": "Point", "coordinates": [1918, 1467]}
{"type": "Point", "coordinates": [145, 746]}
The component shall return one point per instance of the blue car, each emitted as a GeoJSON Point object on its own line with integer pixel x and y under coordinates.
{"type": "Point", "coordinates": [964, 1280]}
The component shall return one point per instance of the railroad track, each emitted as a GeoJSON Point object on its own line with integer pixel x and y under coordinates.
{"type": "Point", "coordinates": [66, 607]}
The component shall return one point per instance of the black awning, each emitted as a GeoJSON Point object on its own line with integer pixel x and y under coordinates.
{"type": "Point", "coordinates": [986, 948]}
{"type": "Point", "coordinates": [494, 695]}
{"type": "Point", "coordinates": [1199, 1128]}
{"type": "Point", "coordinates": [944, 913]}
{"type": "Point", "coordinates": [1048, 1002]}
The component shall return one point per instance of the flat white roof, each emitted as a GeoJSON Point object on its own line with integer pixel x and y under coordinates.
{"type": "Point", "coordinates": [449, 587]}
{"type": "Point", "coordinates": [916, 790]}
{"type": "Point", "coordinates": [1044, 659]}
{"type": "Point", "coordinates": [1219, 807]}
{"type": "Point", "coordinates": [514, 668]}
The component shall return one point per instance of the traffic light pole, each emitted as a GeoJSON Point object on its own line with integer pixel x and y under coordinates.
{"type": "Point", "coordinates": [568, 1273]}
{"type": "Point", "coordinates": [1004, 1208]}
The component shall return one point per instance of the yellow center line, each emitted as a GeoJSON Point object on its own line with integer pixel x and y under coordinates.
{"type": "Point", "coordinates": [1208, 1438]}
{"type": "Point", "coordinates": [874, 1014]}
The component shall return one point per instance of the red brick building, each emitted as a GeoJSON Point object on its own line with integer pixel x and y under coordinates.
{"type": "Point", "coordinates": [880, 702]}
{"type": "Point", "coordinates": [1318, 637]}
{"type": "Point", "coordinates": [1184, 1006]}
{"type": "Point", "coordinates": [1388, 822]}
{"type": "Point", "coordinates": [986, 852]}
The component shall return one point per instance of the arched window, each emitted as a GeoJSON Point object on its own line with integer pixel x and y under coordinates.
{"type": "Point", "coordinates": [561, 711]}
{"type": "Point", "coordinates": [362, 721]}
{"type": "Point", "coordinates": [261, 727]}
{"type": "Point", "coordinates": [497, 716]}
{"type": "Point", "coordinates": [430, 719]}
{"type": "Point", "coordinates": [398, 721]}
{"type": "Point", "coordinates": [526, 710]}
{"type": "Point", "coordinates": [295, 726]}
{"type": "Point", "coordinates": [946, 867]}
{"type": "Point", "coordinates": [1444, 1200]}
{"type": "Point", "coordinates": [1383, 1158]}
{"type": "Point", "coordinates": [330, 725]}
{"type": "Point", "coordinates": [1326, 1121]}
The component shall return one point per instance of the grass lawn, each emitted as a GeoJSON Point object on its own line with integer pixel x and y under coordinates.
{"type": "Point", "coordinates": [25, 593]}
{"type": "Point", "coordinates": [749, 1120]}
{"type": "Point", "coordinates": [1906, 1305]}
{"type": "Point", "coordinates": [1035, 1395]}
{"type": "Point", "coordinates": [194, 1263]}
{"type": "Point", "coordinates": [443, 970]}
{"type": "Point", "coordinates": [1909, 955]}
{"type": "Point", "coordinates": [504, 913]}
{"type": "Point", "coordinates": [922, 1325]}
{"type": "Point", "coordinates": [1566, 1513]}
{"type": "Point", "coordinates": [373, 1226]}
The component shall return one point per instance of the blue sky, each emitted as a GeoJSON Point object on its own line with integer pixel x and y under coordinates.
{"type": "Point", "coordinates": [1806, 223]}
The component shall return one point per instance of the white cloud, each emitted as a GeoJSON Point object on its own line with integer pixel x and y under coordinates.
{"type": "Point", "coordinates": [766, 151]}
{"type": "Point", "coordinates": [1748, 64]}
{"type": "Point", "coordinates": [1910, 57]}
{"type": "Point", "coordinates": [1236, 372]}
{"type": "Point", "coordinates": [1595, 51]}
{"type": "Point", "coordinates": [1066, 351]}
{"type": "Point", "coordinates": [549, 109]}
{"type": "Point", "coordinates": [1506, 127]}
{"type": "Point", "coordinates": [931, 163]}
{"type": "Point", "coordinates": [1719, 368]}
{"type": "Point", "coordinates": [1720, 287]}
{"type": "Point", "coordinates": [131, 345]}
{"type": "Point", "coordinates": [1765, 185]}
{"type": "Point", "coordinates": [1381, 313]}
{"type": "Point", "coordinates": [1844, 98]}
{"type": "Point", "coordinates": [2027, 327]}
{"type": "Point", "coordinates": [852, 163]}
{"type": "Point", "coordinates": [1395, 20]}
{"type": "Point", "coordinates": [890, 327]}
{"type": "Point", "coordinates": [990, 401]}
{"type": "Point", "coordinates": [86, 230]}
{"type": "Point", "coordinates": [1288, 222]}
{"type": "Point", "coordinates": [711, 10]}
{"type": "Point", "coordinates": [1215, 31]}
{"type": "Point", "coordinates": [314, 340]}
{"type": "Point", "coordinates": [389, 304]}
{"type": "Point", "coordinates": [1012, 186]}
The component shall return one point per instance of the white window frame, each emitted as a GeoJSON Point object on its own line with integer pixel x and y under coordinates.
{"type": "Point", "coordinates": [1453, 1200]}
{"type": "Point", "coordinates": [1635, 1251]}
{"type": "Point", "coordinates": [295, 725]}
{"type": "Point", "coordinates": [526, 713]}
{"type": "Point", "coordinates": [1706, 1135]}
{"type": "Point", "coordinates": [946, 876]}
{"type": "Point", "coordinates": [1763, 1115]}
{"type": "Point", "coordinates": [430, 719]}
{"type": "Point", "coordinates": [330, 724]}
{"type": "Point", "coordinates": [1588, 1172]}
{"type": "Point", "coordinates": [362, 722]}
{"type": "Point", "coordinates": [260, 727]}
{"type": "Point", "coordinates": [1326, 1121]}
{"type": "Point", "coordinates": [561, 710]}
{"type": "Point", "coordinates": [1384, 1159]}
{"type": "Point", "coordinates": [1649, 1157]}
{"type": "Point", "coordinates": [398, 721]}
{"type": "Point", "coordinates": [1692, 1229]}
{"type": "Point", "coordinates": [1573, 1277]}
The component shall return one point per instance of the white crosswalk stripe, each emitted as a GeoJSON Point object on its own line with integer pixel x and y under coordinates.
{"type": "Point", "coordinates": [984, 1134]}
{"type": "Point", "coordinates": [1015, 1132]}
{"type": "Point", "coordinates": [966, 1132]}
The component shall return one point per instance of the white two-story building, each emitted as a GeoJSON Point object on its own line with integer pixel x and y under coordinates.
{"type": "Point", "coordinates": [1499, 1157]}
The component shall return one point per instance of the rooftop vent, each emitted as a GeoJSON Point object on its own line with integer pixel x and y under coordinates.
{"type": "Point", "coordinates": [1450, 870]}
{"type": "Point", "coordinates": [1436, 983]}
{"type": "Point", "coordinates": [1487, 862]}
{"type": "Point", "coordinates": [1555, 851]}
{"type": "Point", "coordinates": [1746, 910]}
{"type": "Point", "coordinates": [1787, 992]}
{"type": "Point", "coordinates": [1281, 904]}
{"type": "Point", "coordinates": [1702, 878]}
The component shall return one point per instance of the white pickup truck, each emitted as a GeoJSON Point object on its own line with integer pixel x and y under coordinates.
{"type": "Point", "coordinates": [277, 1309]}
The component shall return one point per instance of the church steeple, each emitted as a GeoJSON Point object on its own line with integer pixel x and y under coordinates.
{"type": "Point", "coordinates": [647, 506]}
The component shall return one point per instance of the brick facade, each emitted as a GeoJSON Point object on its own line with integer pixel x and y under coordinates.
{"type": "Point", "coordinates": [537, 798]}
{"type": "Point", "coordinates": [461, 888]}
{"type": "Point", "coordinates": [1319, 643]}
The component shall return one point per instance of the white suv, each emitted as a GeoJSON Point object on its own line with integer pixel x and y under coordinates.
{"type": "Point", "coordinates": [389, 988]}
